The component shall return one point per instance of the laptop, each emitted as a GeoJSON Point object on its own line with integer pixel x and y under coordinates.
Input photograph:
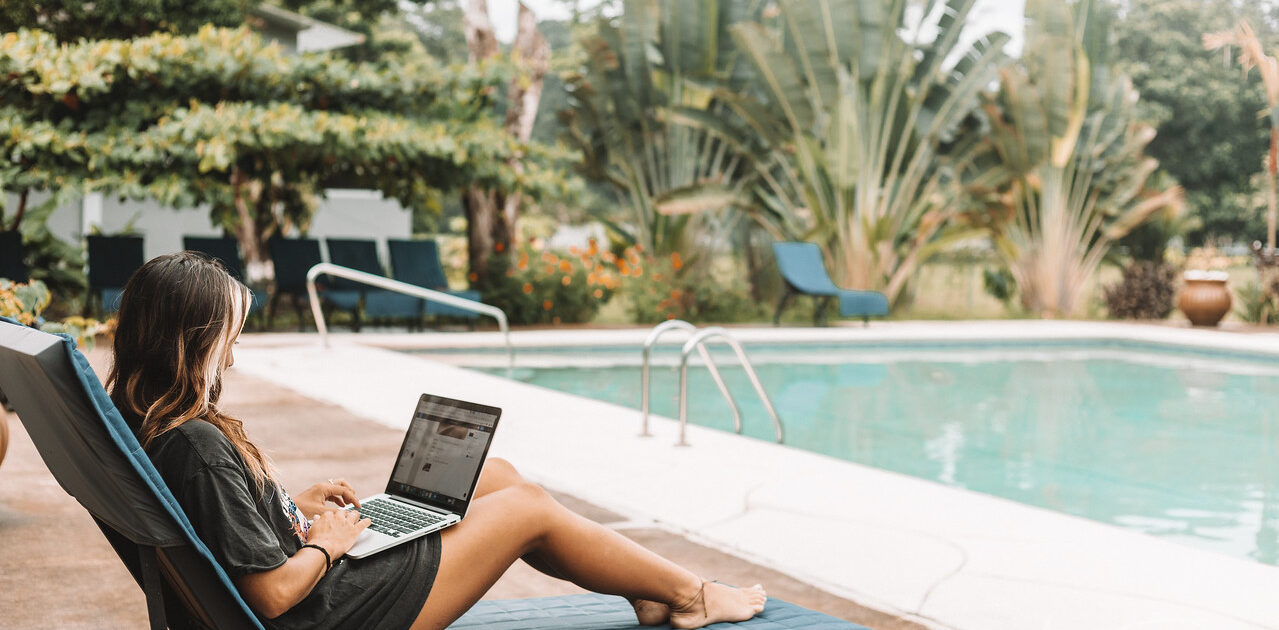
{"type": "Point", "coordinates": [434, 476]}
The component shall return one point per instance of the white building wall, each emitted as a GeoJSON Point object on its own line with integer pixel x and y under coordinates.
{"type": "Point", "coordinates": [343, 213]}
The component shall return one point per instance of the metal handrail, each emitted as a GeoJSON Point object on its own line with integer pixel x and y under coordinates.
{"type": "Point", "coordinates": [330, 269]}
{"type": "Point", "coordinates": [695, 342]}
{"type": "Point", "coordinates": [653, 336]}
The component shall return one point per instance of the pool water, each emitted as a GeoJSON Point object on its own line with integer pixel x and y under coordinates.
{"type": "Point", "coordinates": [1184, 447]}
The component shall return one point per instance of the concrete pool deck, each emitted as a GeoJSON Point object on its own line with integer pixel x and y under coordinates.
{"type": "Point", "coordinates": [942, 556]}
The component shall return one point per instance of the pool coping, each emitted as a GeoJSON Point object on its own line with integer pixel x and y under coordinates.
{"type": "Point", "coordinates": [947, 557]}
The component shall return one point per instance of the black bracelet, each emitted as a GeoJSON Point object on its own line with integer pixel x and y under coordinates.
{"type": "Point", "coordinates": [328, 561]}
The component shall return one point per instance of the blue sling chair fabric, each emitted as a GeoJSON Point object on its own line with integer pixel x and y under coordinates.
{"type": "Point", "coordinates": [804, 273]}
{"type": "Point", "coordinates": [95, 457]}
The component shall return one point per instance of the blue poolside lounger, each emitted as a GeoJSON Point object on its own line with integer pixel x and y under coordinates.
{"type": "Point", "coordinates": [95, 458]}
{"type": "Point", "coordinates": [804, 273]}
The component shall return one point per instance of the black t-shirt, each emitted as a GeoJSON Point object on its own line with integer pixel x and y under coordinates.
{"type": "Point", "coordinates": [248, 532]}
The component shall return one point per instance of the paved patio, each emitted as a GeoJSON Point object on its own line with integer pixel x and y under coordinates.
{"type": "Point", "coordinates": [57, 571]}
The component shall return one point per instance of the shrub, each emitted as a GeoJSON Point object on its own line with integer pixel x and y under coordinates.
{"type": "Point", "coordinates": [1146, 291]}
{"type": "Point", "coordinates": [544, 287]}
{"type": "Point", "coordinates": [1256, 305]}
{"type": "Point", "coordinates": [25, 303]}
{"type": "Point", "coordinates": [662, 288]}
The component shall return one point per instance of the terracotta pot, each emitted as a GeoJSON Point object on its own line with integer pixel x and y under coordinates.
{"type": "Point", "coordinates": [1204, 298]}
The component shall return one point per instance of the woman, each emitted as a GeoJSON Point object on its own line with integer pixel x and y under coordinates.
{"type": "Point", "coordinates": [179, 317]}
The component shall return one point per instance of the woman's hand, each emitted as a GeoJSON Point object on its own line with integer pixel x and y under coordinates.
{"type": "Point", "coordinates": [336, 531]}
{"type": "Point", "coordinates": [316, 500]}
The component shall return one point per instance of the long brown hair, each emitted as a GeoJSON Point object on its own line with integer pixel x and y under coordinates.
{"type": "Point", "coordinates": [179, 316]}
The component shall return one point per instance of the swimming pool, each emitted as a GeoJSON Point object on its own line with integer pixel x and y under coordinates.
{"type": "Point", "coordinates": [1173, 443]}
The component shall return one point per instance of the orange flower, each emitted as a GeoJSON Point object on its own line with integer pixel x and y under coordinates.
{"type": "Point", "coordinates": [608, 257]}
{"type": "Point", "coordinates": [676, 293]}
{"type": "Point", "coordinates": [638, 271]}
{"type": "Point", "coordinates": [499, 246]}
{"type": "Point", "coordinates": [594, 247]}
{"type": "Point", "coordinates": [522, 264]}
{"type": "Point", "coordinates": [510, 273]}
{"type": "Point", "coordinates": [599, 293]}
{"type": "Point", "coordinates": [548, 270]}
{"type": "Point", "coordinates": [555, 320]}
{"type": "Point", "coordinates": [566, 266]}
{"type": "Point", "coordinates": [676, 261]}
{"type": "Point", "coordinates": [472, 276]}
{"type": "Point", "coordinates": [566, 280]}
{"type": "Point", "coordinates": [623, 268]}
{"type": "Point", "coordinates": [549, 257]}
{"type": "Point", "coordinates": [546, 305]}
{"type": "Point", "coordinates": [639, 248]}
{"type": "Point", "coordinates": [670, 316]}
{"type": "Point", "coordinates": [528, 287]}
{"type": "Point", "coordinates": [574, 251]}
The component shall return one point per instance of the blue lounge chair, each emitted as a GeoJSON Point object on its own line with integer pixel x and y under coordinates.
{"type": "Point", "coordinates": [227, 252]}
{"type": "Point", "coordinates": [11, 265]}
{"type": "Point", "coordinates": [292, 258]}
{"type": "Point", "coordinates": [112, 260]}
{"type": "Point", "coordinates": [95, 457]}
{"type": "Point", "coordinates": [805, 273]}
{"type": "Point", "coordinates": [418, 262]}
{"type": "Point", "coordinates": [362, 300]}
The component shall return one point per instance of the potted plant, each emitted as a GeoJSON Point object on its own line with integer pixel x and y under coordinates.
{"type": "Point", "coordinates": [1205, 297]}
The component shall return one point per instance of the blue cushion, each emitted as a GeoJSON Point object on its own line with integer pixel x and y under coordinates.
{"type": "Point", "coordinates": [435, 308]}
{"type": "Point", "coordinates": [605, 612]}
{"type": "Point", "coordinates": [862, 303]}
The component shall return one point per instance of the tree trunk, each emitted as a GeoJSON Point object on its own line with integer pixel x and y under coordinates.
{"type": "Point", "coordinates": [492, 214]}
{"type": "Point", "coordinates": [257, 264]}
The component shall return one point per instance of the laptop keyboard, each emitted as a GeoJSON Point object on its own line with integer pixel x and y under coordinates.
{"type": "Point", "coordinates": [396, 519]}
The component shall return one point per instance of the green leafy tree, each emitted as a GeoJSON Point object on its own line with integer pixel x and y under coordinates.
{"type": "Point", "coordinates": [1209, 136]}
{"type": "Point", "coordinates": [71, 20]}
{"type": "Point", "coordinates": [863, 119]}
{"type": "Point", "coordinates": [219, 117]}
{"type": "Point", "coordinates": [1072, 170]}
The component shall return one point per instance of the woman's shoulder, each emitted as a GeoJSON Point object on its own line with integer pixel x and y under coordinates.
{"type": "Point", "coordinates": [198, 441]}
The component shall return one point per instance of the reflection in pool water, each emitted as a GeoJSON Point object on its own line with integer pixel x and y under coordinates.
{"type": "Point", "coordinates": [1165, 445]}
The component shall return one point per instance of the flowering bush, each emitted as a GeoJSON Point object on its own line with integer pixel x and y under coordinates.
{"type": "Point", "coordinates": [539, 286]}
{"type": "Point", "coordinates": [25, 302]}
{"type": "Point", "coordinates": [666, 287]}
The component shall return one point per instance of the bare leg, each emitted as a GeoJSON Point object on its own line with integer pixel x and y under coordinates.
{"type": "Point", "coordinates": [499, 474]}
{"type": "Point", "coordinates": [514, 521]}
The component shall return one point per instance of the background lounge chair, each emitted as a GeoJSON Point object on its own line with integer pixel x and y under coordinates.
{"type": "Point", "coordinates": [804, 273]}
{"type": "Point", "coordinates": [418, 262]}
{"type": "Point", "coordinates": [112, 260]}
{"type": "Point", "coordinates": [95, 457]}
{"type": "Point", "coordinates": [360, 299]}
{"type": "Point", "coordinates": [292, 258]}
{"type": "Point", "coordinates": [11, 265]}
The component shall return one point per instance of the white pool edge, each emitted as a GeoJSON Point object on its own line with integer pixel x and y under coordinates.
{"type": "Point", "coordinates": [954, 558]}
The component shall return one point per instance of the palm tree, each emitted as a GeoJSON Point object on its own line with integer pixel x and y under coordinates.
{"type": "Point", "coordinates": [862, 117]}
{"type": "Point", "coordinates": [645, 117]}
{"type": "Point", "coordinates": [1072, 173]}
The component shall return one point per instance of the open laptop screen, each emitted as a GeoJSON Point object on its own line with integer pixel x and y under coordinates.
{"type": "Point", "coordinates": [440, 460]}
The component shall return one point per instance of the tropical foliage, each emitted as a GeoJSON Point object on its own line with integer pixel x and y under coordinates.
{"type": "Point", "coordinates": [1253, 55]}
{"type": "Point", "coordinates": [541, 286]}
{"type": "Point", "coordinates": [1071, 171]}
{"type": "Point", "coordinates": [647, 119]}
{"type": "Point", "coordinates": [864, 119]}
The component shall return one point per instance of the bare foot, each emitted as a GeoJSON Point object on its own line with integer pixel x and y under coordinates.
{"type": "Point", "coordinates": [651, 613]}
{"type": "Point", "coordinates": [718, 602]}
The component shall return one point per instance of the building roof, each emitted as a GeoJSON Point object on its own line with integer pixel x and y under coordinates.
{"type": "Point", "coordinates": [298, 32]}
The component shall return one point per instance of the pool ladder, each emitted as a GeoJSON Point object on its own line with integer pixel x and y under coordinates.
{"type": "Point", "coordinates": [698, 342]}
